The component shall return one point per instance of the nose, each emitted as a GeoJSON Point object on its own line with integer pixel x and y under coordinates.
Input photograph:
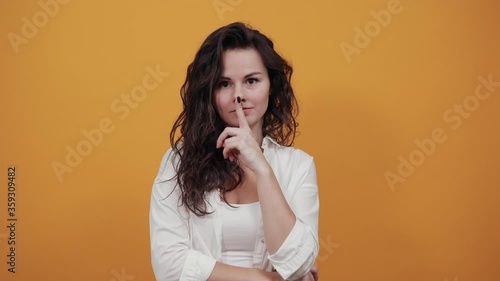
{"type": "Point", "coordinates": [238, 92]}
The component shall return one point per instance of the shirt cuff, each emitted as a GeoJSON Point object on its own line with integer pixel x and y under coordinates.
{"type": "Point", "coordinates": [197, 267]}
{"type": "Point", "coordinates": [295, 252]}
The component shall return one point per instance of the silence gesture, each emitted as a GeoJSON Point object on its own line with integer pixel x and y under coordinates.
{"type": "Point", "coordinates": [240, 143]}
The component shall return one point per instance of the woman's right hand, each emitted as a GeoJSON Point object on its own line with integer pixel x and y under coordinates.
{"type": "Point", "coordinates": [313, 275]}
{"type": "Point", "coordinates": [308, 277]}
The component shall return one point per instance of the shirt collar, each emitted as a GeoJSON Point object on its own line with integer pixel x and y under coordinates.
{"type": "Point", "coordinates": [267, 141]}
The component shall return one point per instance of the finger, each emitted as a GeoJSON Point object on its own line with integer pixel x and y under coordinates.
{"type": "Point", "coordinates": [229, 153]}
{"type": "Point", "coordinates": [232, 156]}
{"type": "Point", "coordinates": [307, 277]}
{"type": "Point", "coordinates": [315, 273]}
{"type": "Point", "coordinates": [231, 148]}
{"type": "Point", "coordinates": [228, 132]}
{"type": "Point", "coordinates": [242, 121]}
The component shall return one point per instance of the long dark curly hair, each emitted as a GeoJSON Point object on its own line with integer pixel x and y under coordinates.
{"type": "Point", "coordinates": [202, 168]}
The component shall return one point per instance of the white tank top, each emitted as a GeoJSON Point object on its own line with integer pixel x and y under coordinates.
{"type": "Point", "coordinates": [239, 233]}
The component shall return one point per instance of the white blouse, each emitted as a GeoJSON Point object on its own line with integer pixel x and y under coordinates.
{"type": "Point", "coordinates": [186, 247]}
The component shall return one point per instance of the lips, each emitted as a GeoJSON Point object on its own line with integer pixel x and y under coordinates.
{"type": "Point", "coordinates": [244, 108]}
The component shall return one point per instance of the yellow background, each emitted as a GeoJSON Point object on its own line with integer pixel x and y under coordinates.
{"type": "Point", "coordinates": [357, 118]}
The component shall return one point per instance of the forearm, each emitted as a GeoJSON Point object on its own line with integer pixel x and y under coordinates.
{"type": "Point", "coordinates": [278, 217]}
{"type": "Point", "coordinates": [224, 272]}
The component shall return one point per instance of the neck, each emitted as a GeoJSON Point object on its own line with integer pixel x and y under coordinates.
{"type": "Point", "coordinates": [259, 139]}
{"type": "Point", "coordinates": [257, 132]}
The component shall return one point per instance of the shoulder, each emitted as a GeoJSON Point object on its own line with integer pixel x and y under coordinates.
{"type": "Point", "coordinates": [288, 163]}
{"type": "Point", "coordinates": [292, 167]}
{"type": "Point", "coordinates": [286, 153]}
{"type": "Point", "coordinates": [166, 180]}
{"type": "Point", "coordinates": [169, 160]}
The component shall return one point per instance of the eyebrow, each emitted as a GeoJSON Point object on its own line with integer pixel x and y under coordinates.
{"type": "Point", "coordinates": [246, 76]}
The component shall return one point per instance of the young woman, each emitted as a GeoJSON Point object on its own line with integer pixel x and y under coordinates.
{"type": "Point", "coordinates": [233, 200]}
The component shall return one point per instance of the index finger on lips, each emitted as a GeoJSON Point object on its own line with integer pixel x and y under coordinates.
{"type": "Point", "coordinates": [242, 121]}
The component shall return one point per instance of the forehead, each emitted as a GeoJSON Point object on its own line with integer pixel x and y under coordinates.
{"type": "Point", "coordinates": [239, 62]}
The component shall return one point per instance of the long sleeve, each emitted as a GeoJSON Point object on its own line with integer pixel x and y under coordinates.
{"type": "Point", "coordinates": [172, 256]}
{"type": "Point", "coordinates": [298, 252]}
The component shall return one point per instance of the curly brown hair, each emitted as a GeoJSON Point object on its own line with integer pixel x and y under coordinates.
{"type": "Point", "coordinates": [201, 167]}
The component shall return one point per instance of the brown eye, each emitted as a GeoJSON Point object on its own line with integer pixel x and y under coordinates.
{"type": "Point", "coordinates": [252, 81]}
{"type": "Point", "coordinates": [223, 84]}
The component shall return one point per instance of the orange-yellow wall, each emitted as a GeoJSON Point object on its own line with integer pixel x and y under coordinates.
{"type": "Point", "coordinates": [359, 114]}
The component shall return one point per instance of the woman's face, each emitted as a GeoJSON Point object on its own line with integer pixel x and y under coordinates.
{"type": "Point", "coordinates": [244, 75]}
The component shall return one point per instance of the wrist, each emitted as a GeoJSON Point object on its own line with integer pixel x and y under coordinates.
{"type": "Point", "coordinates": [263, 170]}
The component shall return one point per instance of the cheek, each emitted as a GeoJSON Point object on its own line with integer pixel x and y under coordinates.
{"type": "Point", "coordinates": [264, 100]}
{"type": "Point", "coordinates": [217, 102]}
{"type": "Point", "coordinates": [220, 105]}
